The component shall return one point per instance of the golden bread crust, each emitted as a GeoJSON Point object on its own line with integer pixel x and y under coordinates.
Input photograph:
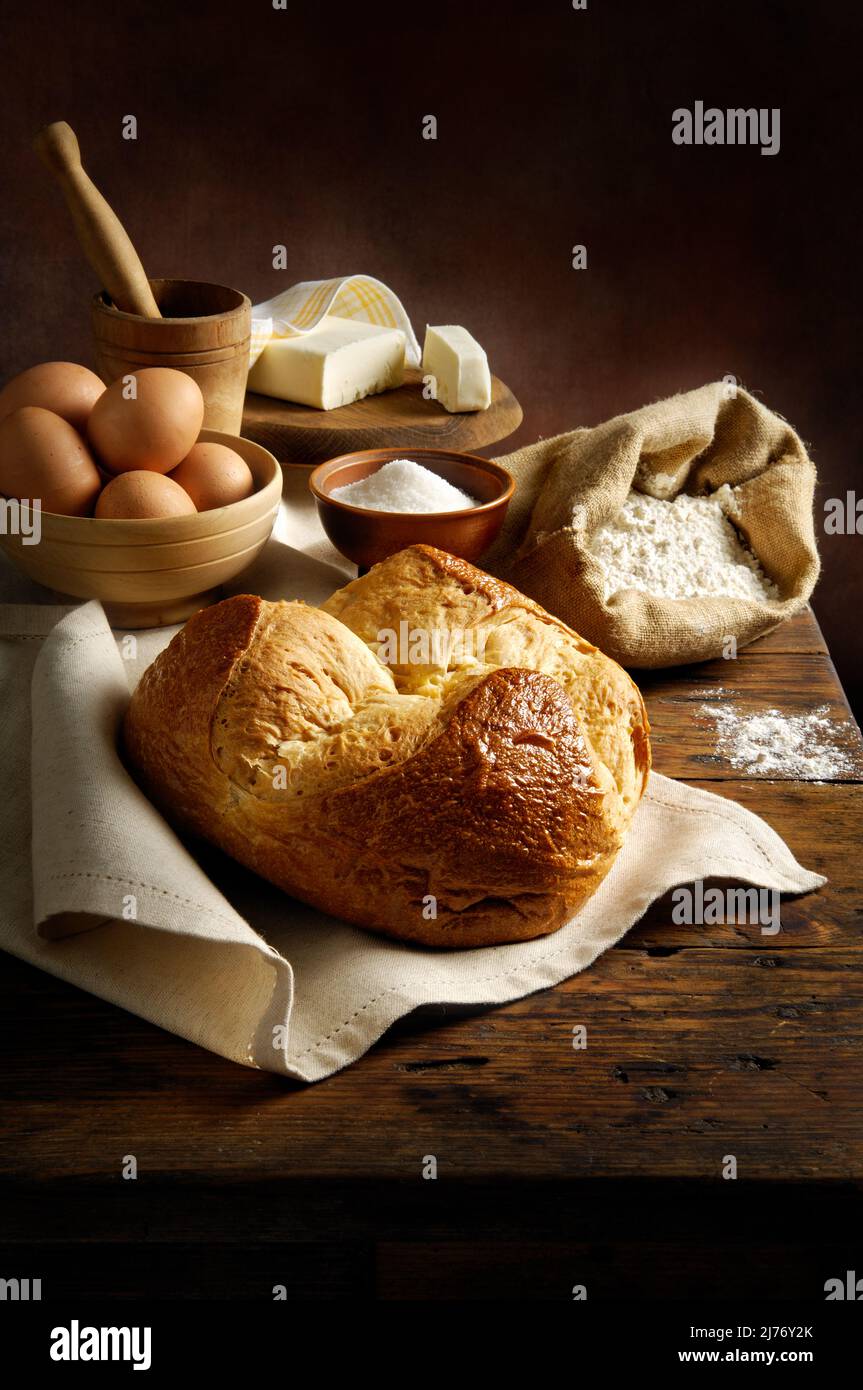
{"type": "Point", "coordinates": [468, 792]}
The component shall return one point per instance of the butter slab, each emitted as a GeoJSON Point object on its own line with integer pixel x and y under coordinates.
{"type": "Point", "coordinates": [458, 366]}
{"type": "Point", "coordinates": [338, 362]}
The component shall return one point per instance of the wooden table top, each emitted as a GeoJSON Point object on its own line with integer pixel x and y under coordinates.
{"type": "Point", "coordinates": [703, 1042]}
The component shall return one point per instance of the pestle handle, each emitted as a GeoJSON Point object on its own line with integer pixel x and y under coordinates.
{"type": "Point", "coordinates": [100, 232]}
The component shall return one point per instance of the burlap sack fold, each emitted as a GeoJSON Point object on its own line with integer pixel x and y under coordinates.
{"type": "Point", "coordinates": [570, 486]}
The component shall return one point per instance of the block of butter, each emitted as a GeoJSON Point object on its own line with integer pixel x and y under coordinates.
{"type": "Point", "coordinates": [339, 361]}
{"type": "Point", "coordinates": [458, 367]}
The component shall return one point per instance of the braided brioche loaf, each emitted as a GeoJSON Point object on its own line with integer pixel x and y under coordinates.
{"type": "Point", "coordinates": [471, 788]}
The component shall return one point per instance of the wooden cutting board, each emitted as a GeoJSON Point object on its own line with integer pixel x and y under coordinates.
{"type": "Point", "coordinates": [299, 434]}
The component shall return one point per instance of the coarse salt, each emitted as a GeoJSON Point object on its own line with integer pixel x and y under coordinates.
{"type": "Point", "coordinates": [684, 548]}
{"type": "Point", "coordinates": [404, 486]}
{"type": "Point", "coordinates": [777, 744]}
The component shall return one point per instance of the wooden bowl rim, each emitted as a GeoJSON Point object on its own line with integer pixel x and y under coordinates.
{"type": "Point", "coordinates": [263, 498]}
{"type": "Point", "coordinates": [496, 470]}
{"type": "Point", "coordinates": [104, 306]}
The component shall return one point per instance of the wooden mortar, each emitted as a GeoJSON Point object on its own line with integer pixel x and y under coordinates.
{"type": "Point", "coordinates": [204, 332]}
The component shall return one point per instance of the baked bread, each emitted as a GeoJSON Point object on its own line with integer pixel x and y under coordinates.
{"type": "Point", "coordinates": [471, 788]}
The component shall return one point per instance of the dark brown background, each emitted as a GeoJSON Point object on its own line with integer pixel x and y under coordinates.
{"type": "Point", "coordinates": [303, 126]}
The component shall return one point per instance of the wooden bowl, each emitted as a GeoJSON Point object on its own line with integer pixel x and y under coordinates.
{"type": "Point", "coordinates": [366, 536]}
{"type": "Point", "coordinates": [150, 573]}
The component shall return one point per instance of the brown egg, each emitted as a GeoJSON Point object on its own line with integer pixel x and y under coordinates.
{"type": "Point", "coordinates": [66, 388]}
{"type": "Point", "coordinates": [154, 428]}
{"type": "Point", "coordinates": [141, 493]}
{"type": "Point", "coordinates": [42, 456]}
{"type": "Point", "coordinates": [214, 476]}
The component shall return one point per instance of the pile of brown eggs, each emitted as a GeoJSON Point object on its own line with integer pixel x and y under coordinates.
{"type": "Point", "coordinates": [129, 450]}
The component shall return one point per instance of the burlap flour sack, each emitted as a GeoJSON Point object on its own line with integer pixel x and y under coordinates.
{"type": "Point", "coordinates": [568, 487]}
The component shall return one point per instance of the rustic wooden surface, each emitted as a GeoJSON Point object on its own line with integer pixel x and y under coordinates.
{"type": "Point", "coordinates": [403, 417]}
{"type": "Point", "coordinates": [555, 1166]}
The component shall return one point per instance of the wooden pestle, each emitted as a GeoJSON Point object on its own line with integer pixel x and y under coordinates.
{"type": "Point", "coordinates": [100, 232]}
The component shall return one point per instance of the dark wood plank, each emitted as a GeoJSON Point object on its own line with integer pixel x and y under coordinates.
{"type": "Point", "coordinates": [299, 434]}
{"type": "Point", "coordinates": [644, 1239]}
{"type": "Point", "coordinates": [801, 633]}
{"type": "Point", "coordinates": [795, 1267]}
{"type": "Point", "coordinates": [801, 812]}
{"type": "Point", "coordinates": [688, 1059]}
{"type": "Point", "coordinates": [289, 1209]}
{"type": "Point", "coordinates": [691, 1055]}
{"type": "Point", "coordinates": [476, 1264]}
{"type": "Point", "coordinates": [683, 735]}
{"type": "Point", "coordinates": [195, 1269]}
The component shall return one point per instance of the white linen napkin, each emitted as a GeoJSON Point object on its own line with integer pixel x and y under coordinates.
{"type": "Point", "coordinates": [296, 311]}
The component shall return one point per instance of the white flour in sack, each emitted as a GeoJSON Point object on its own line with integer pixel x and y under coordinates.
{"type": "Point", "coordinates": [684, 548]}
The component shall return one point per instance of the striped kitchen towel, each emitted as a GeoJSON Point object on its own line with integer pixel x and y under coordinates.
{"type": "Point", "coordinates": [300, 309]}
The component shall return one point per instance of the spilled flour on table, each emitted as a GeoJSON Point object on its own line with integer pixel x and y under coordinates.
{"type": "Point", "coordinates": [778, 744]}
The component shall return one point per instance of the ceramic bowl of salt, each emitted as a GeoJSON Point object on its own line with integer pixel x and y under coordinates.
{"type": "Point", "coordinates": [378, 501]}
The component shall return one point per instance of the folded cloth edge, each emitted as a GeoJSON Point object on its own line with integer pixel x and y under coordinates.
{"type": "Point", "coordinates": [90, 899]}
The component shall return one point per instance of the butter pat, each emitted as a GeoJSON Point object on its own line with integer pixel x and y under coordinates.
{"type": "Point", "coordinates": [458, 367]}
{"type": "Point", "coordinates": [340, 361]}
